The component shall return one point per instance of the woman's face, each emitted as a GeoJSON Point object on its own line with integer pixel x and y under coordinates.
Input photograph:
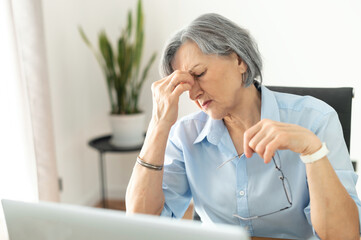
{"type": "Point", "coordinates": [218, 84]}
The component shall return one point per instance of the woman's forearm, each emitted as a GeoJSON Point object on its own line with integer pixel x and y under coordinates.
{"type": "Point", "coordinates": [144, 192]}
{"type": "Point", "coordinates": [334, 213]}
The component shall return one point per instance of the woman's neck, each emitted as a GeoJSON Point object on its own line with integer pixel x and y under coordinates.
{"type": "Point", "coordinates": [248, 111]}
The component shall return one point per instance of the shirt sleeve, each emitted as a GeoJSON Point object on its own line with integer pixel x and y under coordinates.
{"type": "Point", "coordinates": [175, 183]}
{"type": "Point", "coordinates": [330, 132]}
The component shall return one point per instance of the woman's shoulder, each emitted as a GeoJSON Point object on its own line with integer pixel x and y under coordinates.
{"type": "Point", "coordinates": [299, 103]}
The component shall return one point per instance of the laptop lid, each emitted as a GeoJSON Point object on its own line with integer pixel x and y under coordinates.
{"type": "Point", "coordinates": [45, 221]}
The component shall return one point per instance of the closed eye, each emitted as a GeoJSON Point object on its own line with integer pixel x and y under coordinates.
{"type": "Point", "coordinates": [200, 75]}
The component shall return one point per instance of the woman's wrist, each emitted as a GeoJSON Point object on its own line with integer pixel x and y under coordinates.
{"type": "Point", "coordinates": [160, 125]}
{"type": "Point", "coordinates": [153, 149]}
{"type": "Point", "coordinates": [157, 132]}
{"type": "Point", "coordinates": [319, 154]}
{"type": "Point", "coordinates": [313, 147]}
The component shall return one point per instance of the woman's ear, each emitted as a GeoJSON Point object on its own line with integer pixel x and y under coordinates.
{"type": "Point", "coordinates": [242, 65]}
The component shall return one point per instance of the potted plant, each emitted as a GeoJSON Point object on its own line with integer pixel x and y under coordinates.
{"type": "Point", "coordinates": [121, 67]}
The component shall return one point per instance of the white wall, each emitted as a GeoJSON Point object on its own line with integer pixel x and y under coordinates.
{"type": "Point", "coordinates": [303, 43]}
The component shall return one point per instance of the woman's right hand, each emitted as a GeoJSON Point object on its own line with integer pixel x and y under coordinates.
{"type": "Point", "coordinates": [145, 193]}
{"type": "Point", "coordinates": [166, 93]}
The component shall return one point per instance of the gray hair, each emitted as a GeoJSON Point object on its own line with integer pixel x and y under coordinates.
{"type": "Point", "coordinates": [215, 34]}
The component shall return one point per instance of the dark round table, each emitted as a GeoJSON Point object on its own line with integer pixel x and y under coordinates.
{"type": "Point", "coordinates": [102, 145]}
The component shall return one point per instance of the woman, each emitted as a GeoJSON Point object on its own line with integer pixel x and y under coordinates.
{"type": "Point", "coordinates": [229, 157]}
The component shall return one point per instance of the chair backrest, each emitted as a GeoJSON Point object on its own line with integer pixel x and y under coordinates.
{"type": "Point", "coordinates": [338, 98]}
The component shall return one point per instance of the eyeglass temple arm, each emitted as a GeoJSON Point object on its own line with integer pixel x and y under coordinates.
{"type": "Point", "coordinates": [228, 161]}
{"type": "Point", "coordinates": [263, 215]}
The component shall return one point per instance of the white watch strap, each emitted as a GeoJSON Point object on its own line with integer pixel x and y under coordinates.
{"type": "Point", "coordinates": [323, 151]}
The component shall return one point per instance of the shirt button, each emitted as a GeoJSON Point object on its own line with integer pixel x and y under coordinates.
{"type": "Point", "coordinates": [241, 193]}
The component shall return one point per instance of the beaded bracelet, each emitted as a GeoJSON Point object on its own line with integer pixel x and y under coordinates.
{"type": "Point", "coordinates": [148, 165]}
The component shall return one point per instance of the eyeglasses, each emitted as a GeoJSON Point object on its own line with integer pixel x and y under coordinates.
{"type": "Point", "coordinates": [285, 184]}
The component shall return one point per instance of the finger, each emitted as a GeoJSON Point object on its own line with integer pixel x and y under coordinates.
{"type": "Point", "coordinates": [176, 79]}
{"type": "Point", "coordinates": [180, 78]}
{"type": "Point", "coordinates": [248, 135]}
{"type": "Point", "coordinates": [261, 144]}
{"type": "Point", "coordinates": [270, 150]}
{"type": "Point", "coordinates": [181, 88]}
{"type": "Point", "coordinates": [167, 78]}
{"type": "Point", "coordinates": [160, 84]}
{"type": "Point", "coordinates": [254, 142]}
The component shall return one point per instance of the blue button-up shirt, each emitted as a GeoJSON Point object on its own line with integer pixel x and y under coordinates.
{"type": "Point", "coordinates": [247, 187]}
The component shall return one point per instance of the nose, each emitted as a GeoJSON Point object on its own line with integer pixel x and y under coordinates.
{"type": "Point", "coordinates": [196, 91]}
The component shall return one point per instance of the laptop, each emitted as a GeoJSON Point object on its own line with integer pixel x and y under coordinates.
{"type": "Point", "coordinates": [55, 221]}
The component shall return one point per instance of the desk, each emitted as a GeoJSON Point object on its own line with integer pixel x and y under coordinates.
{"type": "Point", "coordinates": [103, 145]}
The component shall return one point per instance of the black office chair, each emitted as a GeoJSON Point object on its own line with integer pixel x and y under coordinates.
{"type": "Point", "coordinates": [338, 98]}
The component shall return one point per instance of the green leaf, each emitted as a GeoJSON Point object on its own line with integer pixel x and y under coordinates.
{"type": "Point", "coordinates": [139, 48]}
{"type": "Point", "coordinates": [146, 70]}
{"type": "Point", "coordinates": [107, 52]}
{"type": "Point", "coordinates": [129, 63]}
{"type": "Point", "coordinates": [121, 54]}
{"type": "Point", "coordinates": [96, 54]}
{"type": "Point", "coordinates": [130, 21]}
{"type": "Point", "coordinates": [84, 37]}
{"type": "Point", "coordinates": [139, 37]}
{"type": "Point", "coordinates": [138, 87]}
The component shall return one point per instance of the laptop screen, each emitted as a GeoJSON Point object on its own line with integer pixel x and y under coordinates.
{"type": "Point", "coordinates": [38, 221]}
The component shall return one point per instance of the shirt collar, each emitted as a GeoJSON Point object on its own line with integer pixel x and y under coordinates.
{"type": "Point", "coordinates": [214, 129]}
{"type": "Point", "coordinates": [269, 105]}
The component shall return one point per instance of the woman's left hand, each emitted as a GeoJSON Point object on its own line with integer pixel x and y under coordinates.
{"type": "Point", "coordinates": [267, 136]}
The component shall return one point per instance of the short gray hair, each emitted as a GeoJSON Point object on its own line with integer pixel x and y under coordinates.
{"type": "Point", "coordinates": [215, 34]}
